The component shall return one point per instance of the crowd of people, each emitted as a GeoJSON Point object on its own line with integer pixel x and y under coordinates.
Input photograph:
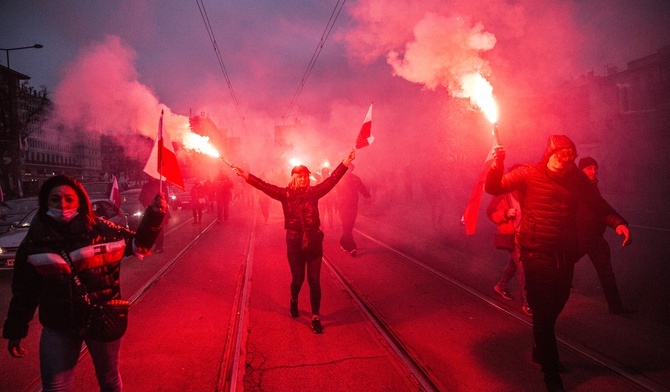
{"type": "Point", "coordinates": [548, 216]}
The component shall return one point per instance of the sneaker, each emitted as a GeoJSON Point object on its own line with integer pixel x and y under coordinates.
{"type": "Point", "coordinates": [354, 252]}
{"type": "Point", "coordinates": [503, 293]}
{"type": "Point", "coordinates": [526, 309]}
{"type": "Point", "coordinates": [316, 325]}
{"type": "Point", "coordinates": [293, 309]}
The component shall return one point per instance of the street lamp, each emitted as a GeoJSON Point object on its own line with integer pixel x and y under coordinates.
{"type": "Point", "coordinates": [15, 144]}
{"type": "Point", "coordinates": [36, 46]}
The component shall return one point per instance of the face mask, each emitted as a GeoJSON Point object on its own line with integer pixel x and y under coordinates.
{"type": "Point", "coordinates": [62, 215]}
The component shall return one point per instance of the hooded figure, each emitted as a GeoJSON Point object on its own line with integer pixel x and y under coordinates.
{"type": "Point", "coordinates": [549, 193]}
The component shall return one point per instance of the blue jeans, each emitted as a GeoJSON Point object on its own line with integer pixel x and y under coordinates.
{"type": "Point", "coordinates": [59, 352]}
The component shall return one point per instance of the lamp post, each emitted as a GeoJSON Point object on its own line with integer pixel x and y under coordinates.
{"type": "Point", "coordinates": [15, 144]}
{"type": "Point", "coordinates": [36, 46]}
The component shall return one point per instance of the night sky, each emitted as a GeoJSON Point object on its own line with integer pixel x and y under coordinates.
{"type": "Point", "coordinates": [115, 65]}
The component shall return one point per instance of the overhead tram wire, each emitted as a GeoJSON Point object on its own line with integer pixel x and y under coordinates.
{"type": "Point", "coordinates": [210, 32]}
{"type": "Point", "coordinates": [329, 27]}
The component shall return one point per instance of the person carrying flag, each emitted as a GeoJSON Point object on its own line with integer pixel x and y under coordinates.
{"type": "Point", "coordinates": [304, 239]}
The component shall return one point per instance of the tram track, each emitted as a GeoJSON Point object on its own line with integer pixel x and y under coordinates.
{"type": "Point", "coordinates": [418, 369]}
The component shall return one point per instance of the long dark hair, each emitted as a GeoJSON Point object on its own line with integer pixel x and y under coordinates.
{"type": "Point", "coordinates": [85, 207]}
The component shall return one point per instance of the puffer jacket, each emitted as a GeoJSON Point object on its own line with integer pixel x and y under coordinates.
{"type": "Point", "coordinates": [43, 277]}
{"type": "Point", "coordinates": [549, 204]}
{"type": "Point", "coordinates": [589, 226]}
{"type": "Point", "coordinates": [497, 213]}
{"type": "Point", "coordinates": [300, 206]}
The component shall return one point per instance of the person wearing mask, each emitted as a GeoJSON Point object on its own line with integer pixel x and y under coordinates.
{"type": "Point", "coordinates": [590, 230]}
{"type": "Point", "coordinates": [549, 193]}
{"type": "Point", "coordinates": [304, 239]}
{"type": "Point", "coordinates": [65, 224]}
{"type": "Point", "coordinates": [347, 194]}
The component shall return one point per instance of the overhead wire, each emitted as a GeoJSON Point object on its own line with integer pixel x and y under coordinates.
{"type": "Point", "coordinates": [217, 51]}
{"type": "Point", "coordinates": [329, 27]}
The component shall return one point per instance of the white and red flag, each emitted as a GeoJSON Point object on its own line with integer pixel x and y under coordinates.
{"type": "Point", "coordinates": [365, 137]}
{"type": "Point", "coordinates": [115, 194]}
{"type": "Point", "coordinates": [471, 213]}
{"type": "Point", "coordinates": [162, 163]}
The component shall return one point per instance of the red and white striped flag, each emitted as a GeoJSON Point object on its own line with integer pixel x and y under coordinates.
{"type": "Point", "coordinates": [365, 137]}
{"type": "Point", "coordinates": [162, 163]}
{"type": "Point", "coordinates": [115, 194]}
{"type": "Point", "coordinates": [471, 213]}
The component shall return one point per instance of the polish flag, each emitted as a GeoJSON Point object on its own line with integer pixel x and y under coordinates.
{"type": "Point", "coordinates": [162, 163]}
{"type": "Point", "coordinates": [365, 137]}
{"type": "Point", "coordinates": [471, 213]}
{"type": "Point", "coordinates": [115, 194]}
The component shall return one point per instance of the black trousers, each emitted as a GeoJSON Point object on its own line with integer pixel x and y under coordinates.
{"type": "Point", "coordinates": [348, 215]}
{"type": "Point", "coordinates": [548, 283]}
{"type": "Point", "coordinates": [599, 253]}
{"type": "Point", "coordinates": [305, 253]}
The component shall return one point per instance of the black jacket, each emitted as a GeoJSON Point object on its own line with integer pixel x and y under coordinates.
{"type": "Point", "coordinates": [549, 204]}
{"type": "Point", "coordinates": [42, 277]}
{"type": "Point", "coordinates": [301, 206]}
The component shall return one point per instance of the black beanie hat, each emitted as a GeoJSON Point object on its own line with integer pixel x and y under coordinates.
{"type": "Point", "coordinates": [586, 162]}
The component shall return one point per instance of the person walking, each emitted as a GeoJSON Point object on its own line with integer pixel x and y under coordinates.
{"type": "Point", "coordinates": [347, 194]}
{"type": "Point", "coordinates": [147, 194]}
{"type": "Point", "coordinates": [223, 192]}
{"type": "Point", "coordinates": [590, 230]}
{"type": "Point", "coordinates": [66, 227]}
{"type": "Point", "coordinates": [198, 201]}
{"type": "Point", "coordinates": [505, 212]}
{"type": "Point", "coordinates": [549, 193]}
{"type": "Point", "coordinates": [304, 239]}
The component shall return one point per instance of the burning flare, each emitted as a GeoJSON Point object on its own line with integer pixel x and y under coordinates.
{"type": "Point", "coordinates": [193, 141]}
{"type": "Point", "coordinates": [480, 93]}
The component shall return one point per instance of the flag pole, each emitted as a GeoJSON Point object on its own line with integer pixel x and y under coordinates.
{"type": "Point", "coordinates": [160, 154]}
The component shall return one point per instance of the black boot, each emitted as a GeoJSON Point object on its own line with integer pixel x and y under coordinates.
{"type": "Point", "coordinates": [293, 308]}
{"type": "Point", "coordinates": [553, 382]}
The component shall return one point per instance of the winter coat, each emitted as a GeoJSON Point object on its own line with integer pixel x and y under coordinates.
{"type": "Point", "coordinates": [43, 278]}
{"type": "Point", "coordinates": [347, 192]}
{"type": "Point", "coordinates": [497, 213]}
{"type": "Point", "coordinates": [549, 204]}
{"type": "Point", "coordinates": [300, 206]}
{"type": "Point", "coordinates": [589, 224]}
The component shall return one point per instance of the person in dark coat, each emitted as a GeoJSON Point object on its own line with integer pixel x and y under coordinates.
{"type": "Point", "coordinates": [65, 223]}
{"type": "Point", "coordinates": [550, 192]}
{"type": "Point", "coordinates": [147, 195]}
{"type": "Point", "coordinates": [198, 201]}
{"type": "Point", "coordinates": [304, 239]}
{"type": "Point", "coordinates": [223, 192]}
{"type": "Point", "coordinates": [590, 230]}
{"type": "Point", "coordinates": [347, 195]}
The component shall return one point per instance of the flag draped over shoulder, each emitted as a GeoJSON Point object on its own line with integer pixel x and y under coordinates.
{"type": "Point", "coordinates": [115, 194]}
{"type": "Point", "coordinates": [471, 213]}
{"type": "Point", "coordinates": [365, 137]}
{"type": "Point", "coordinates": [163, 160]}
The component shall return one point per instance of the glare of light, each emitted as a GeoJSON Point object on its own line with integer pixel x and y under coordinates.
{"type": "Point", "coordinates": [325, 164]}
{"type": "Point", "coordinates": [294, 162]}
{"type": "Point", "coordinates": [199, 143]}
{"type": "Point", "coordinates": [480, 92]}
